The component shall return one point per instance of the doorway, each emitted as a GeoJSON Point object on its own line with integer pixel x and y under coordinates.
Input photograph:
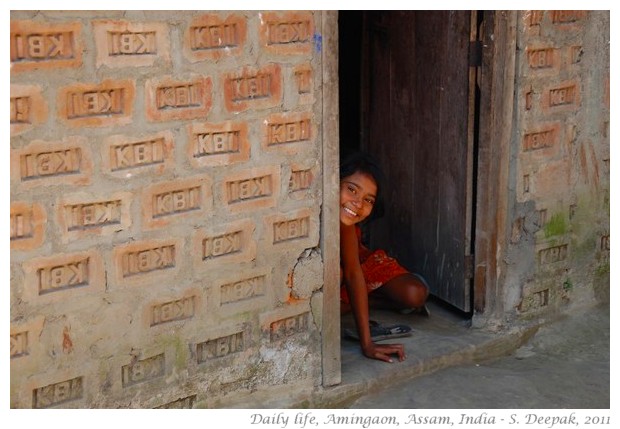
{"type": "Point", "coordinates": [408, 96]}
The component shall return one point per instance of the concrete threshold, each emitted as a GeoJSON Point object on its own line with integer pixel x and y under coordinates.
{"type": "Point", "coordinates": [445, 339]}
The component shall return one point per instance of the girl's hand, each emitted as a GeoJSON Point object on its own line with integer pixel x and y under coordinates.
{"type": "Point", "coordinates": [384, 351]}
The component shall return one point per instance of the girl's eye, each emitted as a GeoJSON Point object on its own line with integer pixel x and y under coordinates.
{"type": "Point", "coordinates": [369, 201]}
{"type": "Point", "coordinates": [352, 189]}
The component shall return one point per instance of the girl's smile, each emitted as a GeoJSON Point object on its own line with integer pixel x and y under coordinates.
{"type": "Point", "coordinates": [358, 193]}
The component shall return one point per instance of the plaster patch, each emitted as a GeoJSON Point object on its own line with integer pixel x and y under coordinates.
{"type": "Point", "coordinates": [307, 274]}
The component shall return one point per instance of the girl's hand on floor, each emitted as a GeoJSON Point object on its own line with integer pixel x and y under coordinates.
{"type": "Point", "coordinates": [384, 351]}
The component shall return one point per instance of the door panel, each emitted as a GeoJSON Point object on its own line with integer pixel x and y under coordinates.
{"type": "Point", "coordinates": [416, 124]}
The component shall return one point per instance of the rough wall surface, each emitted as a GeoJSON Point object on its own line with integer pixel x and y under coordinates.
{"type": "Point", "coordinates": [558, 253]}
{"type": "Point", "coordinates": [165, 203]}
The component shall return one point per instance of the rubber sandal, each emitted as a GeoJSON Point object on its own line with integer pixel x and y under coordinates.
{"type": "Point", "coordinates": [379, 332]}
{"type": "Point", "coordinates": [424, 311]}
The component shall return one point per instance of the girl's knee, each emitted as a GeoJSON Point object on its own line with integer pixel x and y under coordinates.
{"type": "Point", "coordinates": [417, 293]}
{"type": "Point", "coordinates": [407, 291]}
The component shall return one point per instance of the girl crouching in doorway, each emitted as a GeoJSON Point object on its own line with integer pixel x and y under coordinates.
{"type": "Point", "coordinates": [371, 274]}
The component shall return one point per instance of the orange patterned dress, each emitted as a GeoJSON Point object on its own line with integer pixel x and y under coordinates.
{"type": "Point", "coordinates": [377, 266]}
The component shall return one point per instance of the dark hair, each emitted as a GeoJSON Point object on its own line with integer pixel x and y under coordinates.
{"type": "Point", "coordinates": [361, 162]}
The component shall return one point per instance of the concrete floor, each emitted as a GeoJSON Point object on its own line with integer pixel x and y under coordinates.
{"type": "Point", "coordinates": [450, 365]}
{"type": "Point", "coordinates": [563, 365]}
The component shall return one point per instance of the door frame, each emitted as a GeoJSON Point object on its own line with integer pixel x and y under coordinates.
{"type": "Point", "coordinates": [497, 85]}
{"type": "Point", "coordinates": [497, 81]}
{"type": "Point", "coordinates": [330, 213]}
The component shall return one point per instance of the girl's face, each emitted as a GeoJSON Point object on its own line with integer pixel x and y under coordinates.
{"type": "Point", "coordinates": [358, 193]}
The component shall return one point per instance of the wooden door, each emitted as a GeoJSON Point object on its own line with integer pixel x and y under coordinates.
{"type": "Point", "coordinates": [417, 121]}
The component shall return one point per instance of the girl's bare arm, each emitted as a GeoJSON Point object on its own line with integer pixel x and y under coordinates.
{"type": "Point", "coordinates": [358, 295]}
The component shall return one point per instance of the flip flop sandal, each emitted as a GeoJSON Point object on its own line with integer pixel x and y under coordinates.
{"type": "Point", "coordinates": [379, 332]}
{"type": "Point", "coordinates": [424, 311]}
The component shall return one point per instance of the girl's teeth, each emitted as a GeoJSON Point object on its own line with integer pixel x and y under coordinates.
{"type": "Point", "coordinates": [352, 213]}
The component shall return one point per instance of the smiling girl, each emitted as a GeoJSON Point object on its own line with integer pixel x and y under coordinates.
{"type": "Point", "coordinates": [365, 272]}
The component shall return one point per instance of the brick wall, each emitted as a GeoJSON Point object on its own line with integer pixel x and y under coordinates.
{"type": "Point", "coordinates": [165, 186]}
{"type": "Point", "coordinates": [559, 246]}
{"type": "Point", "coordinates": [166, 172]}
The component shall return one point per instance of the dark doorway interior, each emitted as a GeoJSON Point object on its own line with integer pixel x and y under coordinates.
{"type": "Point", "coordinates": [407, 96]}
{"type": "Point", "coordinates": [350, 24]}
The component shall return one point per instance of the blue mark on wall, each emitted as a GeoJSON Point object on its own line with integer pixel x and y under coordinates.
{"type": "Point", "coordinates": [318, 42]}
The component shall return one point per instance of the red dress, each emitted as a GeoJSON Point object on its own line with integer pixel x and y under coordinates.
{"type": "Point", "coordinates": [377, 266]}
